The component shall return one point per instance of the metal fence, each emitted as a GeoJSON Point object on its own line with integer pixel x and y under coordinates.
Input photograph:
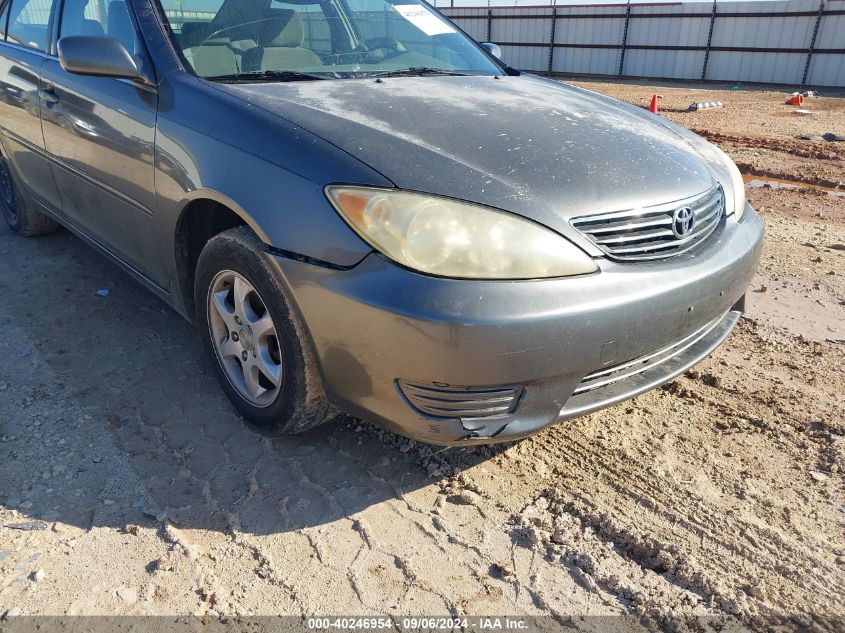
{"type": "Point", "coordinates": [795, 42]}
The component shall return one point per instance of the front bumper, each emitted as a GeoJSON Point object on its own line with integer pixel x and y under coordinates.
{"type": "Point", "coordinates": [378, 324]}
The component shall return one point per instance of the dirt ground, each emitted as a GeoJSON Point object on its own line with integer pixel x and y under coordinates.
{"type": "Point", "coordinates": [129, 486]}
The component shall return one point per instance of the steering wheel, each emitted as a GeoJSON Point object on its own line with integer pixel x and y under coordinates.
{"type": "Point", "coordinates": [232, 27]}
{"type": "Point", "coordinates": [376, 49]}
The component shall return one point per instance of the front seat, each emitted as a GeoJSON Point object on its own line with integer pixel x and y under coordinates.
{"type": "Point", "coordinates": [208, 57]}
{"type": "Point", "coordinates": [74, 21]}
{"type": "Point", "coordinates": [214, 57]}
{"type": "Point", "coordinates": [280, 44]}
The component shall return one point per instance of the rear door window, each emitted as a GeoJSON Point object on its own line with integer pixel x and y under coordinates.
{"type": "Point", "coordinates": [28, 20]}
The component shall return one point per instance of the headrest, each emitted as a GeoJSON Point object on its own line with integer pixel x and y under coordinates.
{"type": "Point", "coordinates": [281, 27]}
{"type": "Point", "coordinates": [74, 21]}
{"type": "Point", "coordinates": [120, 24]}
{"type": "Point", "coordinates": [194, 32]}
{"type": "Point", "coordinates": [74, 9]}
{"type": "Point", "coordinates": [90, 27]}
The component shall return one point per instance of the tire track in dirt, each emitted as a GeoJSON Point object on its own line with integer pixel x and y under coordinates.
{"type": "Point", "coordinates": [716, 494]}
{"type": "Point", "coordinates": [820, 150]}
{"type": "Point", "coordinates": [262, 467]}
{"type": "Point", "coordinates": [612, 493]}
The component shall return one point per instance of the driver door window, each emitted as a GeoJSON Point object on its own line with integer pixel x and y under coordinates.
{"type": "Point", "coordinates": [99, 133]}
{"type": "Point", "coordinates": [99, 18]}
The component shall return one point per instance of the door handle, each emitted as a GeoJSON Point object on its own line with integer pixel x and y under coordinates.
{"type": "Point", "coordinates": [48, 94]}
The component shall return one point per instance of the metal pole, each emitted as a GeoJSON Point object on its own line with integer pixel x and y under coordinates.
{"type": "Point", "coordinates": [624, 37]}
{"type": "Point", "coordinates": [709, 40]}
{"type": "Point", "coordinates": [552, 40]}
{"type": "Point", "coordinates": [812, 44]}
{"type": "Point", "coordinates": [489, 22]}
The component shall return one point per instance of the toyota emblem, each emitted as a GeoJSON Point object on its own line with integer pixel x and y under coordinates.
{"type": "Point", "coordinates": [683, 221]}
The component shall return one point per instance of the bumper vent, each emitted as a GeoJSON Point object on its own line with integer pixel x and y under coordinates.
{"type": "Point", "coordinates": [625, 371]}
{"type": "Point", "coordinates": [453, 401]}
{"type": "Point", "coordinates": [655, 232]}
{"type": "Point", "coordinates": [611, 385]}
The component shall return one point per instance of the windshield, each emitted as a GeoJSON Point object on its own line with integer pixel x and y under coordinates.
{"type": "Point", "coordinates": [293, 40]}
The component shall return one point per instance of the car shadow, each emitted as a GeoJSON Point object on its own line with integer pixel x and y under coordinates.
{"type": "Point", "coordinates": [117, 418]}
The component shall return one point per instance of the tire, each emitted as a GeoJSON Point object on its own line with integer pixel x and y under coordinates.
{"type": "Point", "coordinates": [20, 216]}
{"type": "Point", "coordinates": [232, 268]}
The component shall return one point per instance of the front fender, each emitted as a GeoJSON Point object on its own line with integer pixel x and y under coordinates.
{"type": "Point", "coordinates": [213, 146]}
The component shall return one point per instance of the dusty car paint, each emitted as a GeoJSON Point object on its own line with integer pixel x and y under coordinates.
{"type": "Point", "coordinates": [530, 146]}
{"type": "Point", "coordinates": [544, 334]}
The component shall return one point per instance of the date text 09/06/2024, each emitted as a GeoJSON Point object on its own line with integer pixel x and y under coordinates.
{"type": "Point", "coordinates": [419, 623]}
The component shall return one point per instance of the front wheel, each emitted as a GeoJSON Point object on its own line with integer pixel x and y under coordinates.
{"type": "Point", "coordinates": [256, 341]}
{"type": "Point", "coordinates": [20, 216]}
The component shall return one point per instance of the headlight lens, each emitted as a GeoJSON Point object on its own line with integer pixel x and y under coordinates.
{"type": "Point", "coordinates": [449, 238]}
{"type": "Point", "coordinates": [720, 162]}
{"type": "Point", "coordinates": [726, 168]}
{"type": "Point", "coordinates": [737, 196]}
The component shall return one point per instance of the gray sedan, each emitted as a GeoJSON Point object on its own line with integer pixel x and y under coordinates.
{"type": "Point", "coordinates": [365, 211]}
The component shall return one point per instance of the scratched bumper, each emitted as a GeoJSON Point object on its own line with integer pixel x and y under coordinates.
{"type": "Point", "coordinates": [377, 323]}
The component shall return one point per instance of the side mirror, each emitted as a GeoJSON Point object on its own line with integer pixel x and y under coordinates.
{"type": "Point", "coordinates": [493, 49]}
{"type": "Point", "coordinates": [97, 56]}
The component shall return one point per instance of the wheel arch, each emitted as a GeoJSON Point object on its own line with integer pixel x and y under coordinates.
{"type": "Point", "coordinates": [202, 217]}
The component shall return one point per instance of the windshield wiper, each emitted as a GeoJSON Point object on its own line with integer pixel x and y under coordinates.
{"type": "Point", "coordinates": [266, 75]}
{"type": "Point", "coordinates": [419, 71]}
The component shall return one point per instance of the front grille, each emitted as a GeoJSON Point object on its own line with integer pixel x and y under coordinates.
{"type": "Point", "coordinates": [452, 401]}
{"type": "Point", "coordinates": [623, 371]}
{"type": "Point", "coordinates": [655, 232]}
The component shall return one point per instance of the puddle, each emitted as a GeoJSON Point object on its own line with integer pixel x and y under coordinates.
{"type": "Point", "coordinates": [815, 314]}
{"type": "Point", "coordinates": [758, 182]}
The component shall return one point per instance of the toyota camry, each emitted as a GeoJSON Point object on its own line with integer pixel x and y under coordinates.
{"type": "Point", "coordinates": [363, 210]}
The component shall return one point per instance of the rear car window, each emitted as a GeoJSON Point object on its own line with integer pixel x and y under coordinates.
{"type": "Point", "coordinates": [28, 20]}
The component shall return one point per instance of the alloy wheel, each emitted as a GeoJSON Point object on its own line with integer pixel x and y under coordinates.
{"type": "Point", "coordinates": [245, 338]}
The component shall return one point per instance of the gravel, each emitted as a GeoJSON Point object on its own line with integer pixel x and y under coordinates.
{"type": "Point", "coordinates": [719, 494]}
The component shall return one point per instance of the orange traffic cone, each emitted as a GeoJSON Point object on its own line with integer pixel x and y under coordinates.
{"type": "Point", "coordinates": [796, 99]}
{"type": "Point", "coordinates": [653, 105]}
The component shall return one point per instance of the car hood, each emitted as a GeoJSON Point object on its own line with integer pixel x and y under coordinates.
{"type": "Point", "coordinates": [528, 145]}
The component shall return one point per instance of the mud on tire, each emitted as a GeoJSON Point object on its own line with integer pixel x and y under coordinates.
{"type": "Point", "coordinates": [300, 403]}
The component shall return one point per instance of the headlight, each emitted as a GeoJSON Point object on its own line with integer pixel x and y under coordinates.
{"type": "Point", "coordinates": [456, 239]}
{"type": "Point", "coordinates": [727, 170]}
{"type": "Point", "coordinates": [736, 197]}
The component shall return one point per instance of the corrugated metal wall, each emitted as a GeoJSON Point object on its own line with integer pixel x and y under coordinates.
{"type": "Point", "coordinates": [791, 42]}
